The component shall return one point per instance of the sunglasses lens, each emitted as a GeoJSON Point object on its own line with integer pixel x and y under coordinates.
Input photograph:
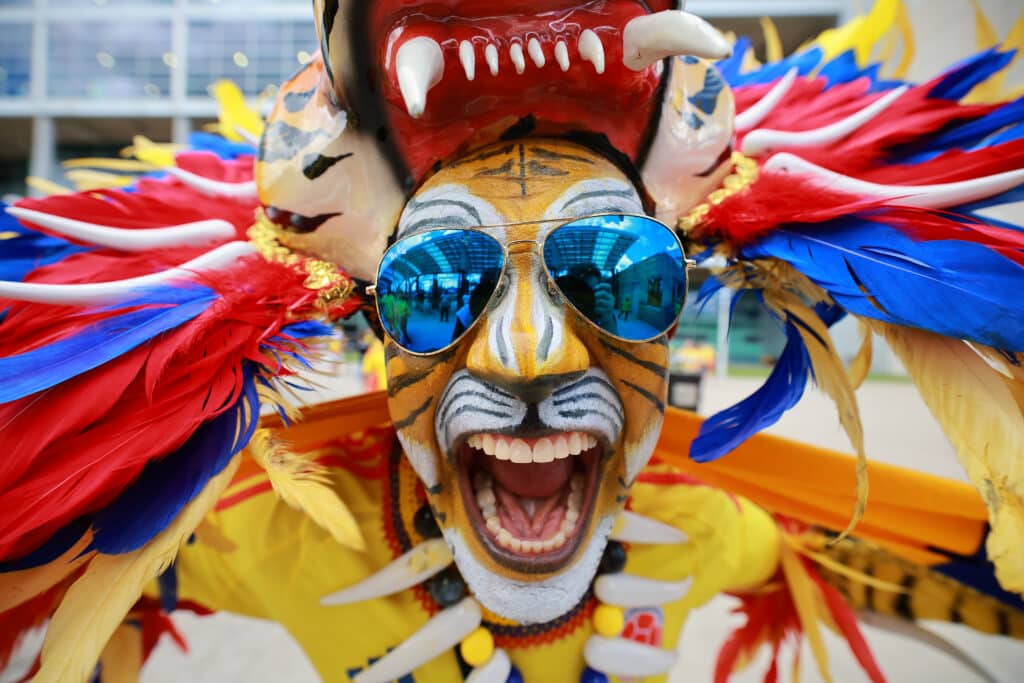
{"type": "Point", "coordinates": [432, 286]}
{"type": "Point", "coordinates": [627, 274]}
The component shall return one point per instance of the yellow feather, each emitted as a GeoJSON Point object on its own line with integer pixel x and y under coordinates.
{"type": "Point", "coordinates": [121, 660]}
{"type": "Point", "coordinates": [98, 601]}
{"type": "Point", "coordinates": [993, 89]}
{"type": "Point", "coordinates": [807, 600]}
{"type": "Point", "coordinates": [860, 34]}
{"type": "Point", "coordinates": [302, 483]}
{"type": "Point", "coordinates": [210, 535]}
{"type": "Point", "coordinates": [860, 366]}
{"type": "Point", "coordinates": [772, 42]}
{"type": "Point", "coordinates": [121, 165]}
{"type": "Point", "coordinates": [909, 47]}
{"type": "Point", "coordinates": [47, 187]}
{"type": "Point", "coordinates": [832, 378]}
{"type": "Point", "coordinates": [235, 115]}
{"type": "Point", "coordinates": [159, 154]}
{"type": "Point", "coordinates": [981, 417]}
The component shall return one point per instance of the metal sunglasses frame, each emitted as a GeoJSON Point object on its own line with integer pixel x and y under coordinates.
{"type": "Point", "coordinates": [506, 247]}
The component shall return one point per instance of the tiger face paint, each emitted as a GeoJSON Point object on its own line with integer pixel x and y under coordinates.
{"type": "Point", "coordinates": [529, 432]}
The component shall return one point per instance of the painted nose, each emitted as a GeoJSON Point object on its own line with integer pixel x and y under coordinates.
{"type": "Point", "coordinates": [525, 346]}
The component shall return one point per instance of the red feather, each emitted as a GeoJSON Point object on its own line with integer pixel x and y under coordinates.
{"type": "Point", "coordinates": [16, 622]}
{"type": "Point", "coordinates": [846, 622]}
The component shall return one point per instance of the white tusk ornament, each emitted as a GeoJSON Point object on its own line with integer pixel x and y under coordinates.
{"type": "Point", "coordinates": [491, 57]}
{"type": "Point", "coordinates": [214, 188]}
{"type": "Point", "coordinates": [536, 53]}
{"type": "Point", "coordinates": [419, 65]}
{"type": "Point", "coordinates": [496, 670]}
{"type": "Point", "coordinates": [412, 568]}
{"type": "Point", "coordinates": [444, 631]}
{"type": "Point", "coordinates": [759, 141]}
{"type": "Point", "coordinates": [939, 196]}
{"type": "Point", "coordinates": [562, 55]}
{"type": "Point", "coordinates": [468, 58]}
{"type": "Point", "coordinates": [102, 293]}
{"type": "Point", "coordinates": [626, 658]}
{"type": "Point", "coordinates": [757, 112]}
{"type": "Point", "coordinates": [197, 234]}
{"type": "Point", "coordinates": [633, 528]}
{"type": "Point", "coordinates": [625, 590]}
{"type": "Point", "coordinates": [653, 37]}
{"type": "Point", "coordinates": [518, 58]}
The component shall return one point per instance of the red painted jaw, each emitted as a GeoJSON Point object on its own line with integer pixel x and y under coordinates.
{"type": "Point", "coordinates": [527, 59]}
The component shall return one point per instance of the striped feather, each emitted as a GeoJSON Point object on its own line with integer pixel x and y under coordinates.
{"type": "Point", "coordinates": [982, 419]}
{"type": "Point", "coordinates": [98, 601]}
{"type": "Point", "coordinates": [302, 484]}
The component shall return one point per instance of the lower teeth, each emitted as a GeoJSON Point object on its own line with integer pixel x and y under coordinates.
{"type": "Point", "coordinates": [487, 501]}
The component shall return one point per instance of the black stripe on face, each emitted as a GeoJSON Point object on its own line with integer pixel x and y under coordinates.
{"type": "Point", "coordinates": [406, 380]}
{"type": "Point", "coordinates": [450, 400]}
{"type": "Point", "coordinates": [544, 348]}
{"type": "Point", "coordinates": [628, 194]}
{"type": "Point", "coordinates": [315, 165]}
{"type": "Point", "coordinates": [550, 155]}
{"type": "Point", "coordinates": [591, 395]}
{"type": "Point", "coordinates": [411, 418]}
{"type": "Point", "coordinates": [583, 412]}
{"type": "Point", "coordinates": [283, 142]}
{"type": "Point", "coordinates": [658, 403]}
{"type": "Point", "coordinates": [657, 368]}
{"type": "Point", "coordinates": [477, 409]}
{"type": "Point", "coordinates": [585, 382]}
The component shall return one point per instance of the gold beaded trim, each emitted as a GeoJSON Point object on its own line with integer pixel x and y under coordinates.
{"type": "Point", "coordinates": [321, 276]}
{"type": "Point", "coordinates": [744, 174]}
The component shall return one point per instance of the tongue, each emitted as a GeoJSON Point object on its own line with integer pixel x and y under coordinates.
{"type": "Point", "coordinates": [531, 480]}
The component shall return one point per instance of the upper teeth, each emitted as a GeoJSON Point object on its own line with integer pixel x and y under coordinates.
{"type": "Point", "coordinates": [592, 50]}
{"type": "Point", "coordinates": [545, 449]}
{"type": "Point", "coordinates": [653, 37]}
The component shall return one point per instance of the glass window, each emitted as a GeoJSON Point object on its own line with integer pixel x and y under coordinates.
{"type": "Point", "coordinates": [15, 138]}
{"type": "Point", "coordinates": [106, 3]}
{"type": "Point", "coordinates": [109, 59]}
{"type": "Point", "coordinates": [253, 54]}
{"type": "Point", "coordinates": [15, 56]}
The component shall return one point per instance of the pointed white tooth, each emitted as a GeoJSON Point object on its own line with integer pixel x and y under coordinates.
{"type": "Point", "coordinates": [536, 53]}
{"type": "Point", "coordinates": [491, 57]}
{"type": "Point", "coordinates": [592, 50]}
{"type": "Point", "coordinates": [443, 632]}
{"type": "Point", "coordinates": [519, 452]}
{"type": "Point", "coordinates": [419, 65]}
{"type": "Point", "coordinates": [626, 658]}
{"type": "Point", "coordinates": [575, 443]}
{"type": "Point", "coordinates": [562, 55]}
{"type": "Point", "coordinates": [502, 451]}
{"type": "Point", "coordinates": [653, 37]}
{"type": "Point", "coordinates": [416, 566]}
{"type": "Point", "coordinates": [544, 450]}
{"type": "Point", "coordinates": [634, 528]}
{"type": "Point", "coordinates": [468, 58]}
{"type": "Point", "coordinates": [496, 670]}
{"type": "Point", "coordinates": [488, 444]}
{"type": "Point", "coordinates": [518, 58]}
{"type": "Point", "coordinates": [626, 590]}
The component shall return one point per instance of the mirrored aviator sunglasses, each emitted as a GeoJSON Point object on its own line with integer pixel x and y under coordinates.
{"type": "Point", "coordinates": [624, 274]}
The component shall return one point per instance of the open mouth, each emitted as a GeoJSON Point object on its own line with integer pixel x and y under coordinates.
{"type": "Point", "coordinates": [529, 500]}
{"type": "Point", "coordinates": [465, 68]}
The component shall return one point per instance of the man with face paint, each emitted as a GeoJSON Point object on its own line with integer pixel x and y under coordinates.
{"type": "Point", "coordinates": [518, 512]}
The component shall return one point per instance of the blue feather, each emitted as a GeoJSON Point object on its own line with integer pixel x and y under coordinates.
{"type": "Point", "coordinates": [961, 78]}
{"type": "Point", "coordinates": [50, 365]}
{"type": "Point", "coordinates": [168, 584]}
{"type": "Point", "coordinates": [165, 486]}
{"type": "Point", "coordinates": [222, 147]}
{"type": "Point", "coordinates": [306, 329]}
{"type": "Point", "coordinates": [805, 62]}
{"type": "Point", "coordinates": [971, 135]}
{"type": "Point", "coordinates": [959, 289]}
{"type": "Point", "coordinates": [978, 572]}
{"type": "Point", "coordinates": [724, 431]}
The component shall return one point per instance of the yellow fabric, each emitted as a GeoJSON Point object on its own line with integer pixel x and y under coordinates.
{"type": "Point", "coordinates": [283, 564]}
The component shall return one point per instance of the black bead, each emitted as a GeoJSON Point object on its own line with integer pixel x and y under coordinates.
{"type": "Point", "coordinates": [447, 588]}
{"type": "Point", "coordinates": [614, 559]}
{"type": "Point", "coordinates": [425, 524]}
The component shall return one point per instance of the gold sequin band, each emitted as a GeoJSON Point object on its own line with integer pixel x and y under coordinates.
{"type": "Point", "coordinates": [323, 277]}
{"type": "Point", "coordinates": [744, 175]}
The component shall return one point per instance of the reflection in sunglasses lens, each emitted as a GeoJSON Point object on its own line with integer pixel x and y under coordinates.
{"type": "Point", "coordinates": [627, 274]}
{"type": "Point", "coordinates": [431, 287]}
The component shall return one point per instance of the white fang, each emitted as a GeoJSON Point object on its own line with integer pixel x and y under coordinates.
{"type": "Point", "coordinates": [756, 113]}
{"type": "Point", "coordinates": [653, 37]}
{"type": "Point", "coordinates": [536, 53]}
{"type": "Point", "coordinates": [626, 658]}
{"type": "Point", "coordinates": [592, 50]}
{"type": "Point", "coordinates": [443, 632]}
{"type": "Point", "coordinates": [415, 566]}
{"type": "Point", "coordinates": [518, 58]}
{"type": "Point", "coordinates": [215, 188]}
{"type": "Point", "coordinates": [760, 141]}
{"type": "Point", "coordinates": [419, 66]}
{"type": "Point", "coordinates": [100, 293]}
{"type": "Point", "coordinates": [468, 58]}
{"type": "Point", "coordinates": [491, 57]}
{"type": "Point", "coordinates": [197, 234]}
{"type": "Point", "coordinates": [562, 55]}
{"type": "Point", "coordinates": [634, 528]}
{"type": "Point", "coordinates": [625, 590]}
{"type": "Point", "coordinates": [939, 196]}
